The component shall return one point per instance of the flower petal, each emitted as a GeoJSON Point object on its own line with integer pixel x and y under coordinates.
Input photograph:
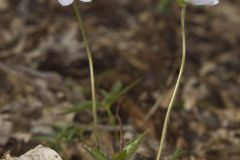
{"type": "Point", "coordinates": [65, 2]}
{"type": "Point", "coordinates": [86, 0]}
{"type": "Point", "coordinates": [203, 2]}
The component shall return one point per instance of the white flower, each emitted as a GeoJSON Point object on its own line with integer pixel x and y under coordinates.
{"type": "Point", "coordinates": [202, 2]}
{"type": "Point", "coordinates": [68, 2]}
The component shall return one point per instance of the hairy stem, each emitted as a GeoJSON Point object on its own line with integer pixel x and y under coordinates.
{"type": "Point", "coordinates": [89, 55]}
{"type": "Point", "coordinates": [170, 107]}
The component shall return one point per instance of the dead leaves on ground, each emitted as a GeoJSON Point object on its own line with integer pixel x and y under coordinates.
{"type": "Point", "coordinates": [44, 69]}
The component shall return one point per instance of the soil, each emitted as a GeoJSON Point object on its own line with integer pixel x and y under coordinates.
{"type": "Point", "coordinates": [44, 73]}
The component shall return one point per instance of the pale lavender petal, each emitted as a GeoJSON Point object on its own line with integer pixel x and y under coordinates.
{"type": "Point", "coordinates": [203, 2]}
{"type": "Point", "coordinates": [86, 0]}
{"type": "Point", "coordinates": [65, 2]}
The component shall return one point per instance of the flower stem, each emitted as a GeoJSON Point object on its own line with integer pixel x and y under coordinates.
{"type": "Point", "coordinates": [89, 55]}
{"type": "Point", "coordinates": [170, 107]}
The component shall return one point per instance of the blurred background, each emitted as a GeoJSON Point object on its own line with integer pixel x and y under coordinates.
{"type": "Point", "coordinates": [45, 89]}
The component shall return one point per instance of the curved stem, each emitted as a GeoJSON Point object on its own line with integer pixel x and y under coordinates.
{"type": "Point", "coordinates": [170, 107]}
{"type": "Point", "coordinates": [89, 55]}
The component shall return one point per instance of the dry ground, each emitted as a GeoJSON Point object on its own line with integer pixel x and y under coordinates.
{"type": "Point", "coordinates": [44, 71]}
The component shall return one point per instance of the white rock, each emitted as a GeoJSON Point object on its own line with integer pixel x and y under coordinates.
{"type": "Point", "coordinates": [40, 153]}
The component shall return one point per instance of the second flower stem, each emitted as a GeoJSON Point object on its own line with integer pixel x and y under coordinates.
{"type": "Point", "coordinates": [170, 107]}
{"type": "Point", "coordinates": [90, 61]}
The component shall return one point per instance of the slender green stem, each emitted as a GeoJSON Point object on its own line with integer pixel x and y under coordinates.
{"type": "Point", "coordinates": [170, 107]}
{"type": "Point", "coordinates": [89, 55]}
{"type": "Point", "coordinates": [112, 121]}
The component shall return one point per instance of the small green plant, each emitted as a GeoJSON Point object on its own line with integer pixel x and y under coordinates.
{"type": "Point", "coordinates": [61, 136]}
{"type": "Point", "coordinates": [129, 150]}
{"type": "Point", "coordinates": [126, 153]}
{"type": "Point", "coordinates": [109, 98]}
{"type": "Point", "coordinates": [115, 93]}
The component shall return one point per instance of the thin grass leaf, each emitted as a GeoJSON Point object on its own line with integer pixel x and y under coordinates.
{"type": "Point", "coordinates": [63, 134]}
{"type": "Point", "coordinates": [176, 155]}
{"type": "Point", "coordinates": [51, 141]}
{"type": "Point", "coordinates": [117, 87]}
{"type": "Point", "coordinates": [132, 146]}
{"type": "Point", "coordinates": [104, 93]}
{"type": "Point", "coordinates": [96, 153]}
{"type": "Point", "coordinates": [120, 155]}
{"type": "Point", "coordinates": [113, 98]}
{"type": "Point", "coordinates": [80, 107]}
